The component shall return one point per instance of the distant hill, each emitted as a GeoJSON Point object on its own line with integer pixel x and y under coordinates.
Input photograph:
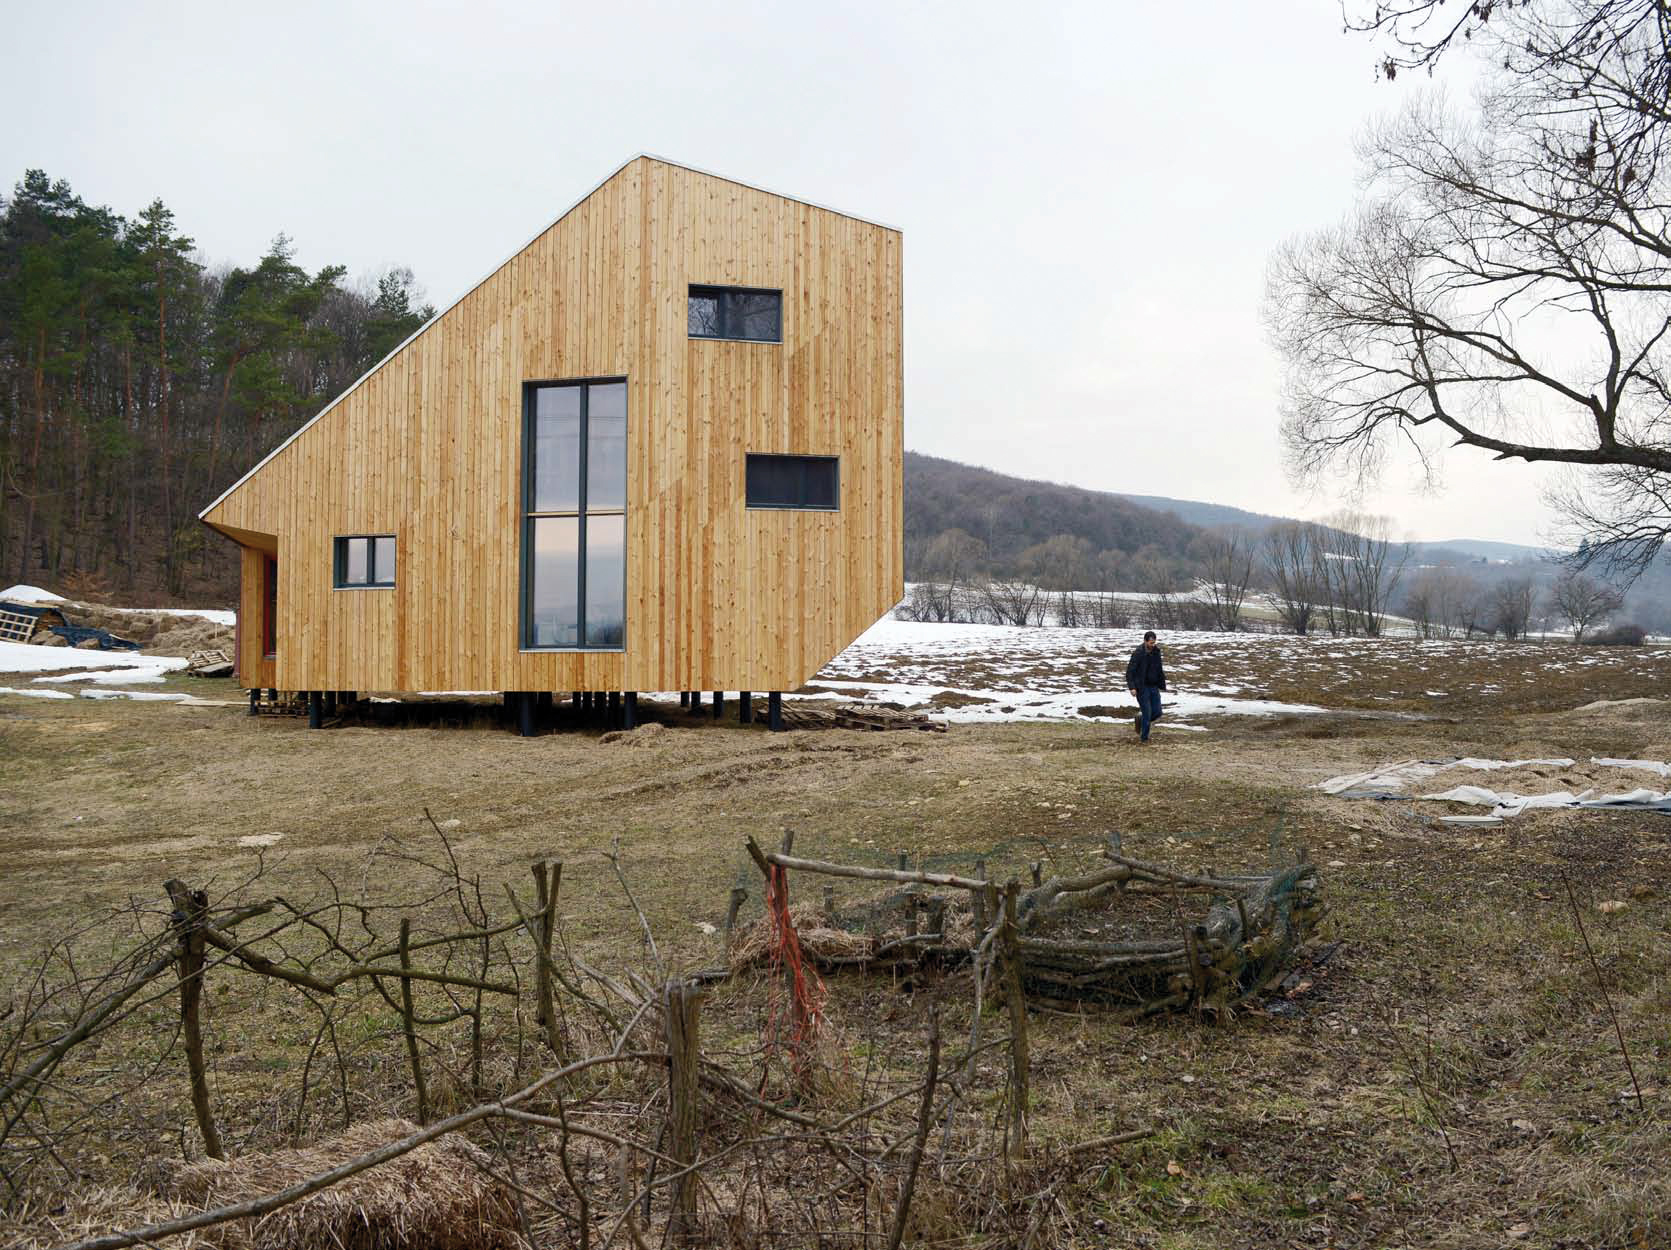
{"type": "Point", "coordinates": [1138, 542]}
{"type": "Point", "coordinates": [1217, 515]}
{"type": "Point", "coordinates": [1010, 514]}
{"type": "Point", "coordinates": [1206, 515]}
{"type": "Point", "coordinates": [1484, 549]}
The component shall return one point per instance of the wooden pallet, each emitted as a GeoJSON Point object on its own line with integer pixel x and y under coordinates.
{"type": "Point", "coordinates": [17, 626]}
{"type": "Point", "coordinates": [854, 716]}
{"type": "Point", "coordinates": [214, 663]}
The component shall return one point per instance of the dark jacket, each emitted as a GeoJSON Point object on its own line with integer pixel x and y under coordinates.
{"type": "Point", "coordinates": [1145, 669]}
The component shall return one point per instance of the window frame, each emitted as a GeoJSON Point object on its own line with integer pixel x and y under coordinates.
{"type": "Point", "coordinates": [339, 562]}
{"type": "Point", "coordinates": [834, 461]}
{"type": "Point", "coordinates": [528, 515]}
{"type": "Point", "coordinates": [722, 291]}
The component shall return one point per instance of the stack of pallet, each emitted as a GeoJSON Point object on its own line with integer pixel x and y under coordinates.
{"type": "Point", "coordinates": [855, 716]}
{"type": "Point", "coordinates": [214, 663]}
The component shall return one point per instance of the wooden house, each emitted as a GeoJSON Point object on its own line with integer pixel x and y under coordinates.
{"type": "Point", "coordinates": [657, 449]}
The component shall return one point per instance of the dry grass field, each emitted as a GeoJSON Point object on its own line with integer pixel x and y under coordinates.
{"type": "Point", "coordinates": [1447, 1076]}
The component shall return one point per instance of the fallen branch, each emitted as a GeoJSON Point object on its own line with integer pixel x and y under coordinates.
{"type": "Point", "coordinates": [925, 1118]}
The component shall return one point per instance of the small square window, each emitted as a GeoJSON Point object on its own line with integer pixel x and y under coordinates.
{"type": "Point", "coordinates": [732, 312]}
{"type": "Point", "coordinates": [364, 561]}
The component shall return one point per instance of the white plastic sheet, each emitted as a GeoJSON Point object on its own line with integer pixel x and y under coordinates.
{"type": "Point", "coordinates": [1400, 781]}
{"type": "Point", "coordinates": [1395, 780]}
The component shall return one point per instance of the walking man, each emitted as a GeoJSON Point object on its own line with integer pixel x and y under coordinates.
{"type": "Point", "coordinates": [1146, 678]}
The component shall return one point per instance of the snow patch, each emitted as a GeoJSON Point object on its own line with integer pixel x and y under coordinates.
{"type": "Point", "coordinates": [220, 616]}
{"type": "Point", "coordinates": [36, 694]}
{"type": "Point", "coordinates": [23, 657]}
{"type": "Point", "coordinates": [144, 695]}
{"type": "Point", "coordinates": [30, 594]}
{"type": "Point", "coordinates": [110, 676]}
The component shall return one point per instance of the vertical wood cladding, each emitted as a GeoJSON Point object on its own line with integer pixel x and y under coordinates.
{"type": "Point", "coordinates": [429, 448]}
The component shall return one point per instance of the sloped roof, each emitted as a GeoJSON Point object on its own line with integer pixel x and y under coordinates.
{"type": "Point", "coordinates": [534, 238]}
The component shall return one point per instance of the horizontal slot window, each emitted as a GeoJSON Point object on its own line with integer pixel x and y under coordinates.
{"type": "Point", "coordinates": [365, 561]}
{"type": "Point", "coordinates": [809, 482]}
{"type": "Point", "coordinates": [734, 312]}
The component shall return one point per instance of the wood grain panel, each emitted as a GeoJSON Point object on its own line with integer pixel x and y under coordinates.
{"type": "Point", "coordinates": [428, 447]}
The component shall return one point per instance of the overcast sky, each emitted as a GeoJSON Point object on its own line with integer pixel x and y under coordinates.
{"type": "Point", "coordinates": [1089, 193]}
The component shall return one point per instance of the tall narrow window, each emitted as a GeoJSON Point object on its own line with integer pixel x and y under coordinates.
{"type": "Point", "coordinates": [734, 312]}
{"type": "Point", "coordinates": [269, 623]}
{"type": "Point", "coordinates": [574, 594]}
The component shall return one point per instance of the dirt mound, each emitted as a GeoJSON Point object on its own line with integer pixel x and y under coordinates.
{"type": "Point", "coordinates": [958, 698]}
{"type": "Point", "coordinates": [644, 736]}
{"type": "Point", "coordinates": [190, 633]}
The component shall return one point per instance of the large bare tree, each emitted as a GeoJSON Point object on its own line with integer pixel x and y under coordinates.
{"type": "Point", "coordinates": [1583, 601]}
{"type": "Point", "coordinates": [1511, 607]}
{"type": "Point", "coordinates": [1228, 559]}
{"type": "Point", "coordinates": [1292, 557]}
{"type": "Point", "coordinates": [1436, 601]}
{"type": "Point", "coordinates": [1505, 283]}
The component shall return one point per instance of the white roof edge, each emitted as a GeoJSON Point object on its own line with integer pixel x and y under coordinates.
{"type": "Point", "coordinates": [754, 186]}
{"type": "Point", "coordinates": [534, 238]}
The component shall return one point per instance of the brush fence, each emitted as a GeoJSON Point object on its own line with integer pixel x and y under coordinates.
{"type": "Point", "coordinates": [1132, 937]}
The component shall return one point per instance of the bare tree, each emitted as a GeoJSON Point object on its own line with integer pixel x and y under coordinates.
{"type": "Point", "coordinates": [1511, 606]}
{"type": "Point", "coordinates": [1228, 559]}
{"type": "Point", "coordinates": [1290, 556]}
{"type": "Point", "coordinates": [1506, 282]}
{"type": "Point", "coordinates": [1014, 603]}
{"type": "Point", "coordinates": [1359, 569]}
{"type": "Point", "coordinates": [1475, 613]}
{"type": "Point", "coordinates": [1061, 563]}
{"type": "Point", "coordinates": [1420, 608]}
{"type": "Point", "coordinates": [953, 562]}
{"type": "Point", "coordinates": [1435, 599]}
{"type": "Point", "coordinates": [1106, 610]}
{"type": "Point", "coordinates": [1582, 601]}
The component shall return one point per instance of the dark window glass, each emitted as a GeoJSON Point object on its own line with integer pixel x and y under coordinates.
{"type": "Point", "coordinates": [723, 312]}
{"type": "Point", "coordinates": [794, 482]}
{"type": "Point", "coordinates": [703, 318]}
{"type": "Point", "coordinates": [269, 627]}
{"type": "Point", "coordinates": [575, 538]}
{"type": "Point", "coordinates": [368, 561]}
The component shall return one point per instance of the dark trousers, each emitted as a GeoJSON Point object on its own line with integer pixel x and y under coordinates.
{"type": "Point", "coordinates": [1148, 709]}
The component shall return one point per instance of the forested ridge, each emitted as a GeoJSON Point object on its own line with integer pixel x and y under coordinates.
{"type": "Point", "coordinates": [138, 380]}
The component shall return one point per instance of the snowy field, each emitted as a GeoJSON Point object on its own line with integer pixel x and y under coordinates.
{"type": "Point", "coordinates": [983, 673]}
{"type": "Point", "coordinates": [1006, 673]}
